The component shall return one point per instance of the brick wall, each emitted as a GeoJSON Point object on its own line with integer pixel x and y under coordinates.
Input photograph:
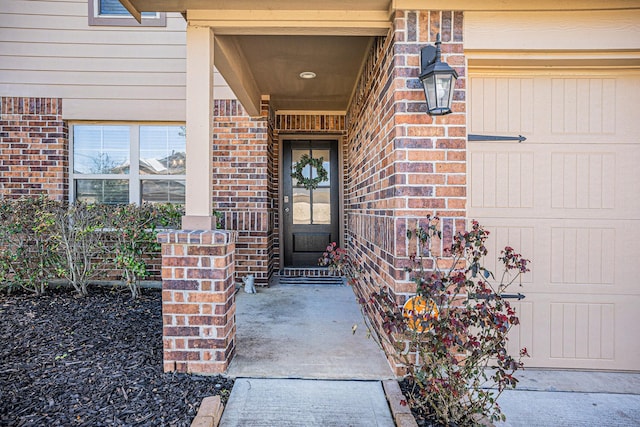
{"type": "Point", "coordinates": [273, 165]}
{"type": "Point", "coordinates": [198, 301]}
{"type": "Point", "coordinates": [402, 164]}
{"type": "Point", "coordinates": [241, 185]}
{"type": "Point", "coordinates": [430, 151]}
{"type": "Point", "coordinates": [34, 147]}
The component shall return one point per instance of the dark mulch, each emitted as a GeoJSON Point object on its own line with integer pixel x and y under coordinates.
{"type": "Point", "coordinates": [423, 418]}
{"type": "Point", "coordinates": [94, 361]}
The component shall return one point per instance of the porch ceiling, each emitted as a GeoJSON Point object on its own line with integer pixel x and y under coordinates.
{"type": "Point", "coordinates": [261, 47]}
{"type": "Point", "coordinates": [274, 63]}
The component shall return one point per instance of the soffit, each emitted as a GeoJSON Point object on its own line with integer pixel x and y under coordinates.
{"type": "Point", "coordinates": [262, 46]}
{"type": "Point", "coordinates": [275, 63]}
{"type": "Point", "coordinates": [183, 5]}
{"type": "Point", "coordinates": [379, 5]}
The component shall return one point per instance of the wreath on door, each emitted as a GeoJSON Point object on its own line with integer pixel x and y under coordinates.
{"type": "Point", "coordinates": [310, 183]}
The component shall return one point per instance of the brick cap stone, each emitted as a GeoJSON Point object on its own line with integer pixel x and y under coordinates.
{"type": "Point", "coordinates": [197, 237]}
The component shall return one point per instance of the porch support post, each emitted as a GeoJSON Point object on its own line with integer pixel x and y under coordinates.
{"type": "Point", "coordinates": [198, 300]}
{"type": "Point", "coordinates": [198, 204]}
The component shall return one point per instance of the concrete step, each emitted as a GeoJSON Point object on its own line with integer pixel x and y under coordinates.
{"type": "Point", "coordinates": [309, 403]}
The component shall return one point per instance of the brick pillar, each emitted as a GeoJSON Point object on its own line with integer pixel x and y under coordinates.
{"type": "Point", "coordinates": [401, 163]}
{"type": "Point", "coordinates": [198, 300]}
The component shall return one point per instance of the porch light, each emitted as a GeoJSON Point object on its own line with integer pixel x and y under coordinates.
{"type": "Point", "coordinates": [438, 80]}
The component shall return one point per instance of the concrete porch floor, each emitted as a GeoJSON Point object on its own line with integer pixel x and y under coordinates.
{"type": "Point", "coordinates": [304, 331]}
{"type": "Point", "coordinates": [294, 341]}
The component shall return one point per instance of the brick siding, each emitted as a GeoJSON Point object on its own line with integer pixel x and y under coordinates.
{"type": "Point", "coordinates": [34, 142]}
{"type": "Point", "coordinates": [241, 185]}
{"type": "Point", "coordinates": [401, 163]}
{"type": "Point", "coordinates": [273, 164]}
{"type": "Point", "coordinates": [198, 301]}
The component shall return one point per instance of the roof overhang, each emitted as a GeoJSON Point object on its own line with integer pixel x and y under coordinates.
{"type": "Point", "coordinates": [182, 6]}
{"type": "Point", "coordinates": [262, 46]}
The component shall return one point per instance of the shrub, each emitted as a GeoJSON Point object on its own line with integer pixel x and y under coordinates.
{"type": "Point", "coordinates": [27, 252]}
{"type": "Point", "coordinates": [79, 237]}
{"type": "Point", "coordinates": [457, 329]}
{"type": "Point", "coordinates": [134, 233]}
{"type": "Point", "coordinates": [41, 238]}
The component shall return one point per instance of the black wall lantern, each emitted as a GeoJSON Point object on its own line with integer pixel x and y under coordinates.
{"type": "Point", "coordinates": [438, 80]}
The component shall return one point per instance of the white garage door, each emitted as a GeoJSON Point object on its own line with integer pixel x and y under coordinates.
{"type": "Point", "coordinates": [569, 199]}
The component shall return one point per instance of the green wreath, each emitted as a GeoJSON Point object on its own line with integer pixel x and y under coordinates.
{"type": "Point", "coordinates": [310, 183]}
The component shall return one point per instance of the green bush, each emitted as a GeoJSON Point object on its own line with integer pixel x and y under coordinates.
{"type": "Point", "coordinates": [41, 239]}
{"type": "Point", "coordinates": [27, 252]}
{"type": "Point", "coordinates": [135, 236]}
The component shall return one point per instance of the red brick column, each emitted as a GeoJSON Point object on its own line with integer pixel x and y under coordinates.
{"type": "Point", "coordinates": [198, 300]}
{"type": "Point", "coordinates": [401, 163]}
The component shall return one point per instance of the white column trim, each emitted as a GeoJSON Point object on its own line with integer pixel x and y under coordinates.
{"type": "Point", "coordinates": [200, 71]}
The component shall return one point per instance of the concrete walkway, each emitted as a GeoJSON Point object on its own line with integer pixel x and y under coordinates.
{"type": "Point", "coordinates": [280, 402]}
{"type": "Point", "coordinates": [302, 331]}
{"type": "Point", "coordinates": [298, 363]}
{"type": "Point", "coordinates": [572, 399]}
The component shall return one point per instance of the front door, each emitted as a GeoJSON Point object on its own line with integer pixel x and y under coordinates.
{"type": "Point", "coordinates": [310, 215]}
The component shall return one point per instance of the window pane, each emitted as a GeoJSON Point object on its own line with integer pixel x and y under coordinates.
{"type": "Point", "coordinates": [101, 149]}
{"type": "Point", "coordinates": [321, 206]}
{"type": "Point", "coordinates": [163, 150]}
{"type": "Point", "coordinates": [107, 191]}
{"type": "Point", "coordinates": [162, 191]}
{"type": "Point", "coordinates": [326, 164]}
{"type": "Point", "coordinates": [113, 7]}
{"type": "Point", "coordinates": [301, 206]}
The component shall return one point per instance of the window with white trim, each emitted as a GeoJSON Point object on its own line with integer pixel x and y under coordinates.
{"type": "Point", "coordinates": [124, 163]}
{"type": "Point", "coordinates": [112, 12]}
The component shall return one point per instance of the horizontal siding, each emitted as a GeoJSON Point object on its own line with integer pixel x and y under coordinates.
{"type": "Point", "coordinates": [552, 30]}
{"type": "Point", "coordinates": [99, 35]}
{"type": "Point", "coordinates": [75, 50]}
{"type": "Point", "coordinates": [123, 65]}
{"type": "Point", "coordinates": [48, 49]}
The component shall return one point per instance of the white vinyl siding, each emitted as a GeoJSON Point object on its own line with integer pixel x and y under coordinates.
{"type": "Point", "coordinates": [48, 50]}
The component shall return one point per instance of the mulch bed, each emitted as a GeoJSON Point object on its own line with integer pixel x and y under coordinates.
{"type": "Point", "coordinates": [423, 418]}
{"type": "Point", "coordinates": [94, 361]}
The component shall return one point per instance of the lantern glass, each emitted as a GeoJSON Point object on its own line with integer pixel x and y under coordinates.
{"type": "Point", "coordinates": [438, 91]}
{"type": "Point", "coordinates": [443, 90]}
{"type": "Point", "coordinates": [430, 91]}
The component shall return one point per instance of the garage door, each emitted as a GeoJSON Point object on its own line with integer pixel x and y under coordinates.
{"type": "Point", "coordinates": [569, 199]}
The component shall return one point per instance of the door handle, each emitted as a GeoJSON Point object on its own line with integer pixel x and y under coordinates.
{"type": "Point", "coordinates": [286, 210]}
